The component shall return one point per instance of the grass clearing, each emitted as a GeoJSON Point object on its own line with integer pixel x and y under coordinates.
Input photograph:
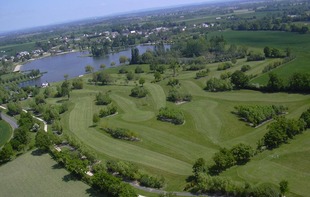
{"type": "Point", "coordinates": [5, 132]}
{"type": "Point", "coordinates": [21, 177]}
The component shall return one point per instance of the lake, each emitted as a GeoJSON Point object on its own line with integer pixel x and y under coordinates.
{"type": "Point", "coordinates": [73, 64]}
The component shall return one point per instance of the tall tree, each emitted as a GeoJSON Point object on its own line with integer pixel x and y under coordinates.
{"type": "Point", "coordinates": [135, 57]}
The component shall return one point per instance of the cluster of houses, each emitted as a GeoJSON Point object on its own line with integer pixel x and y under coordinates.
{"type": "Point", "coordinates": [23, 55]}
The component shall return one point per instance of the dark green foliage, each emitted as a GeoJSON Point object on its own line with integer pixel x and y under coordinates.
{"type": "Point", "coordinates": [125, 169]}
{"type": "Point", "coordinates": [274, 83]}
{"type": "Point", "coordinates": [256, 114]}
{"type": "Point", "coordinates": [173, 82]}
{"type": "Point", "coordinates": [40, 98]}
{"type": "Point", "coordinates": [299, 82]}
{"type": "Point", "coordinates": [135, 57]}
{"type": "Point", "coordinates": [283, 187]}
{"type": "Point", "coordinates": [96, 118]}
{"type": "Point", "coordinates": [281, 131]}
{"type": "Point", "coordinates": [239, 79]}
{"type": "Point", "coordinates": [224, 66]}
{"type": "Point", "coordinates": [109, 110]}
{"type": "Point", "coordinates": [56, 126]}
{"type": "Point", "coordinates": [103, 78]}
{"type": "Point", "coordinates": [255, 57]}
{"type": "Point", "coordinates": [21, 138]}
{"type": "Point", "coordinates": [51, 114]}
{"type": "Point", "coordinates": [130, 75]}
{"type": "Point", "coordinates": [157, 76]}
{"type": "Point", "coordinates": [175, 96]}
{"type": "Point", "coordinates": [6, 153]}
{"type": "Point", "coordinates": [123, 134]}
{"type": "Point", "coordinates": [65, 89]}
{"type": "Point", "coordinates": [63, 107]}
{"type": "Point", "coordinates": [218, 85]}
{"type": "Point", "coordinates": [139, 92]}
{"type": "Point", "coordinates": [112, 186]}
{"type": "Point", "coordinates": [149, 181]}
{"type": "Point", "coordinates": [195, 67]}
{"type": "Point", "coordinates": [139, 70]}
{"type": "Point", "coordinates": [171, 115]}
{"type": "Point", "coordinates": [44, 140]}
{"type": "Point", "coordinates": [122, 71]}
{"type": "Point", "coordinates": [305, 116]}
{"type": "Point", "coordinates": [26, 120]}
{"type": "Point", "coordinates": [264, 190]}
{"type": "Point", "coordinates": [157, 68]}
{"type": "Point", "coordinates": [202, 73]}
{"type": "Point", "coordinates": [242, 153]}
{"type": "Point", "coordinates": [14, 108]}
{"type": "Point", "coordinates": [245, 68]}
{"type": "Point", "coordinates": [223, 159]}
{"type": "Point", "coordinates": [199, 167]}
{"type": "Point", "coordinates": [103, 99]}
{"type": "Point", "coordinates": [272, 66]}
{"type": "Point", "coordinates": [77, 83]}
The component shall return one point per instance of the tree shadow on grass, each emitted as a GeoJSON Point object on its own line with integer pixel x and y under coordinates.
{"type": "Point", "coordinates": [70, 177]}
{"type": "Point", "coordinates": [62, 100]}
{"type": "Point", "coordinates": [57, 166]}
{"type": "Point", "coordinates": [95, 193]}
{"type": "Point", "coordinates": [38, 152]}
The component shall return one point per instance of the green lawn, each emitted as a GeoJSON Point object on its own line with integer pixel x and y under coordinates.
{"type": "Point", "coordinates": [33, 175]}
{"type": "Point", "coordinates": [5, 132]}
{"type": "Point", "coordinates": [169, 150]}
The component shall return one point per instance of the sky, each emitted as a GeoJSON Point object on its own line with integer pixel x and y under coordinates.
{"type": "Point", "coordinates": [21, 14]}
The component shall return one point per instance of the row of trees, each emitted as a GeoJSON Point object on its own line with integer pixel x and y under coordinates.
{"type": "Point", "coordinates": [123, 134]}
{"type": "Point", "coordinates": [257, 114]}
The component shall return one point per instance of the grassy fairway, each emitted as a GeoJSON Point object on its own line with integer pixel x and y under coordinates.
{"type": "Point", "coordinates": [5, 132]}
{"type": "Point", "coordinates": [170, 150]}
{"type": "Point", "coordinates": [31, 175]}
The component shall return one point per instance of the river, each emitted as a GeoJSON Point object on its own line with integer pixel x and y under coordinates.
{"type": "Point", "coordinates": [73, 64]}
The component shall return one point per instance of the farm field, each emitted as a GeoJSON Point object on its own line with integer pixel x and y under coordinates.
{"type": "Point", "coordinates": [169, 150]}
{"type": "Point", "coordinates": [5, 132]}
{"type": "Point", "coordinates": [21, 177]}
{"type": "Point", "coordinates": [298, 43]}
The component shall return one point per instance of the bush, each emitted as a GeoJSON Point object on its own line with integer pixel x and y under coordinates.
{"type": "Point", "coordinates": [218, 85]}
{"type": "Point", "coordinates": [122, 71]}
{"type": "Point", "coordinates": [139, 92]}
{"type": "Point", "coordinates": [109, 110]}
{"type": "Point", "coordinates": [173, 82]}
{"type": "Point", "coordinates": [257, 114]}
{"type": "Point", "coordinates": [202, 73]}
{"type": "Point", "coordinates": [149, 181]}
{"type": "Point", "coordinates": [305, 116]}
{"type": "Point", "coordinates": [175, 96]}
{"type": "Point", "coordinates": [245, 68]}
{"type": "Point", "coordinates": [256, 57]}
{"type": "Point", "coordinates": [77, 83]}
{"type": "Point", "coordinates": [103, 99]}
{"type": "Point", "coordinates": [139, 70]}
{"type": "Point", "coordinates": [195, 67]}
{"type": "Point", "coordinates": [224, 66]}
{"type": "Point", "coordinates": [123, 134]}
{"type": "Point", "coordinates": [125, 169]}
{"type": "Point", "coordinates": [171, 115]}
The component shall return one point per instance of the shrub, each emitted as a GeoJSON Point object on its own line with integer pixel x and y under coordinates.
{"type": "Point", "coordinates": [139, 70]}
{"type": "Point", "coordinates": [173, 82]}
{"type": "Point", "coordinates": [175, 96]}
{"type": "Point", "coordinates": [218, 85]}
{"type": "Point", "coordinates": [103, 99]}
{"type": "Point", "coordinates": [125, 169]}
{"type": "Point", "coordinates": [139, 92]}
{"type": "Point", "coordinates": [171, 115]}
{"type": "Point", "coordinates": [202, 73]}
{"type": "Point", "coordinates": [149, 181]}
{"type": "Point", "coordinates": [245, 68]}
{"type": "Point", "coordinates": [123, 134]}
{"type": "Point", "coordinates": [256, 57]}
{"type": "Point", "coordinates": [224, 66]}
{"type": "Point", "coordinates": [109, 110]}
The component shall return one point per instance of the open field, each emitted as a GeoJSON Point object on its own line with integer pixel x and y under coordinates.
{"type": "Point", "coordinates": [298, 43]}
{"type": "Point", "coordinates": [39, 175]}
{"type": "Point", "coordinates": [5, 132]}
{"type": "Point", "coordinates": [13, 49]}
{"type": "Point", "coordinates": [171, 150]}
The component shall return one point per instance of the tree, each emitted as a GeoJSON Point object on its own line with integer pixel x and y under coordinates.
{"type": "Point", "coordinates": [217, 85]}
{"type": "Point", "coordinates": [274, 83]}
{"type": "Point", "coordinates": [102, 66]}
{"type": "Point", "coordinates": [141, 81]}
{"type": "Point", "coordinates": [123, 59]}
{"type": "Point", "coordinates": [65, 88]}
{"type": "Point", "coordinates": [283, 187]}
{"type": "Point", "coordinates": [96, 118]}
{"type": "Point", "coordinates": [77, 83]}
{"type": "Point", "coordinates": [157, 76]}
{"type": "Point", "coordinates": [305, 116]}
{"type": "Point", "coordinates": [104, 78]}
{"type": "Point", "coordinates": [138, 92]}
{"type": "Point", "coordinates": [130, 75]}
{"type": "Point", "coordinates": [239, 79]}
{"type": "Point", "coordinates": [135, 57]}
{"type": "Point", "coordinates": [223, 159]}
{"type": "Point", "coordinates": [112, 64]}
{"type": "Point", "coordinates": [44, 140]}
{"type": "Point", "coordinates": [14, 108]}
{"type": "Point", "coordinates": [103, 99]}
{"type": "Point", "coordinates": [242, 153]}
{"type": "Point", "coordinates": [6, 153]}
{"type": "Point", "coordinates": [267, 51]}
{"type": "Point", "coordinates": [89, 69]}
{"type": "Point", "coordinates": [199, 167]}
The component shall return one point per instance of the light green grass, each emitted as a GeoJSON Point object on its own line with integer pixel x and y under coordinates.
{"type": "Point", "coordinates": [5, 132]}
{"type": "Point", "coordinates": [30, 175]}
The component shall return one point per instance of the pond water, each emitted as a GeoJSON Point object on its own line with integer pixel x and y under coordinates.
{"type": "Point", "coordinates": [73, 64]}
